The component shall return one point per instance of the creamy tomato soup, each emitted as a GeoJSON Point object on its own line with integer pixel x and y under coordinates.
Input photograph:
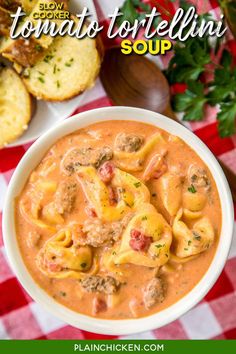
{"type": "Point", "coordinates": [119, 220]}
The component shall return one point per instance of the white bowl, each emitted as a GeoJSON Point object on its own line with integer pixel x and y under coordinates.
{"type": "Point", "coordinates": [119, 327]}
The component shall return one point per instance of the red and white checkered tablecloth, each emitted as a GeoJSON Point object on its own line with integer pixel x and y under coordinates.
{"type": "Point", "coordinates": [213, 318]}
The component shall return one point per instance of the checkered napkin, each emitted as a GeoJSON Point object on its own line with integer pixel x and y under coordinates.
{"type": "Point", "coordinates": [213, 318]}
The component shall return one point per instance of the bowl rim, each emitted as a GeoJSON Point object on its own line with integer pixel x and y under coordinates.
{"type": "Point", "coordinates": [127, 326]}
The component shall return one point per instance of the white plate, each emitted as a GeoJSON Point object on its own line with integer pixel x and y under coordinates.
{"type": "Point", "coordinates": [48, 114]}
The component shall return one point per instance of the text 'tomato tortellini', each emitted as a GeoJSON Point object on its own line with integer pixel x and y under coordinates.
{"type": "Point", "coordinates": [119, 220]}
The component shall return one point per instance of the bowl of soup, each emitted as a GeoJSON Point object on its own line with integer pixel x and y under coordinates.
{"type": "Point", "coordinates": [118, 220]}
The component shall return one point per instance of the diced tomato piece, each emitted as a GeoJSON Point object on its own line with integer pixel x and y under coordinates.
{"type": "Point", "coordinates": [77, 234]}
{"type": "Point", "coordinates": [90, 212]}
{"type": "Point", "coordinates": [99, 305]}
{"type": "Point", "coordinates": [158, 173]}
{"type": "Point", "coordinates": [138, 241]}
{"type": "Point", "coordinates": [54, 267]}
{"type": "Point", "coordinates": [155, 168]}
{"type": "Point", "coordinates": [113, 198]}
{"type": "Point", "coordinates": [106, 171]}
{"type": "Point", "coordinates": [135, 233]}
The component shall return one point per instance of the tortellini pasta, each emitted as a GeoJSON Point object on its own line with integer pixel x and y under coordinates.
{"type": "Point", "coordinates": [192, 241]}
{"type": "Point", "coordinates": [194, 201]}
{"type": "Point", "coordinates": [132, 188]}
{"type": "Point", "coordinates": [51, 215]}
{"type": "Point", "coordinates": [46, 186]}
{"type": "Point", "coordinates": [132, 193]}
{"type": "Point", "coordinates": [32, 216]}
{"type": "Point", "coordinates": [60, 258]}
{"type": "Point", "coordinates": [191, 215]}
{"type": "Point", "coordinates": [198, 177]}
{"type": "Point", "coordinates": [170, 190]}
{"type": "Point", "coordinates": [152, 224]}
{"type": "Point", "coordinates": [133, 161]}
{"type": "Point", "coordinates": [44, 217]}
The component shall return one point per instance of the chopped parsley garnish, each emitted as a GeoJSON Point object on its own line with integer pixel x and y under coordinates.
{"type": "Point", "coordinates": [196, 236]}
{"type": "Point", "coordinates": [137, 184]}
{"type": "Point", "coordinates": [114, 253]}
{"type": "Point", "coordinates": [144, 218]}
{"type": "Point", "coordinates": [83, 265]}
{"type": "Point", "coordinates": [58, 84]}
{"type": "Point", "coordinates": [41, 79]}
{"type": "Point", "coordinates": [63, 293]}
{"type": "Point", "coordinates": [129, 204]}
{"type": "Point", "coordinates": [47, 58]}
{"type": "Point", "coordinates": [192, 189]}
{"type": "Point", "coordinates": [158, 246]}
{"type": "Point", "coordinates": [186, 249]}
{"type": "Point", "coordinates": [54, 69]}
{"type": "Point", "coordinates": [68, 64]}
{"type": "Point", "coordinates": [189, 242]}
{"type": "Point", "coordinates": [38, 48]}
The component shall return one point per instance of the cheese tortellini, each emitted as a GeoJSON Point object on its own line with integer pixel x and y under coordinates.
{"type": "Point", "coordinates": [173, 197]}
{"type": "Point", "coordinates": [31, 214]}
{"type": "Point", "coordinates": [152, 224]}
{"type": "Point", "coordinates": [194, 240]}
{"type": "Point", "coordinates": [60, 258]}
{"type": "Point", "coordinates": [133, 161]}
{"type": "Point", "coordinates": [194, 202]}
{"type": "Point", "coordinates": [132, 193]}
{"type": "Point", "coordinates": [170, 190]}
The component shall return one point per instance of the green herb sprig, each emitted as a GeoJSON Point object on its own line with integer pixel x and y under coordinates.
{"type": "Point", "coordinates": [133, 10]}
{"type": "Point", "coordinates": [221, 91]}
{"type": "Point", "coordinates": [190, 61]}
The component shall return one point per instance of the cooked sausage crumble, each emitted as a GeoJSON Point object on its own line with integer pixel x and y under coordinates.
{"type": "Point", "coordinates": [95, 283]}
{"type": "Point", "coordinates": [128, 142]}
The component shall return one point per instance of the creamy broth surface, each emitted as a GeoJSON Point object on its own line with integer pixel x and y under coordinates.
{"type": "Point", "coordinates": [109, 264]}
